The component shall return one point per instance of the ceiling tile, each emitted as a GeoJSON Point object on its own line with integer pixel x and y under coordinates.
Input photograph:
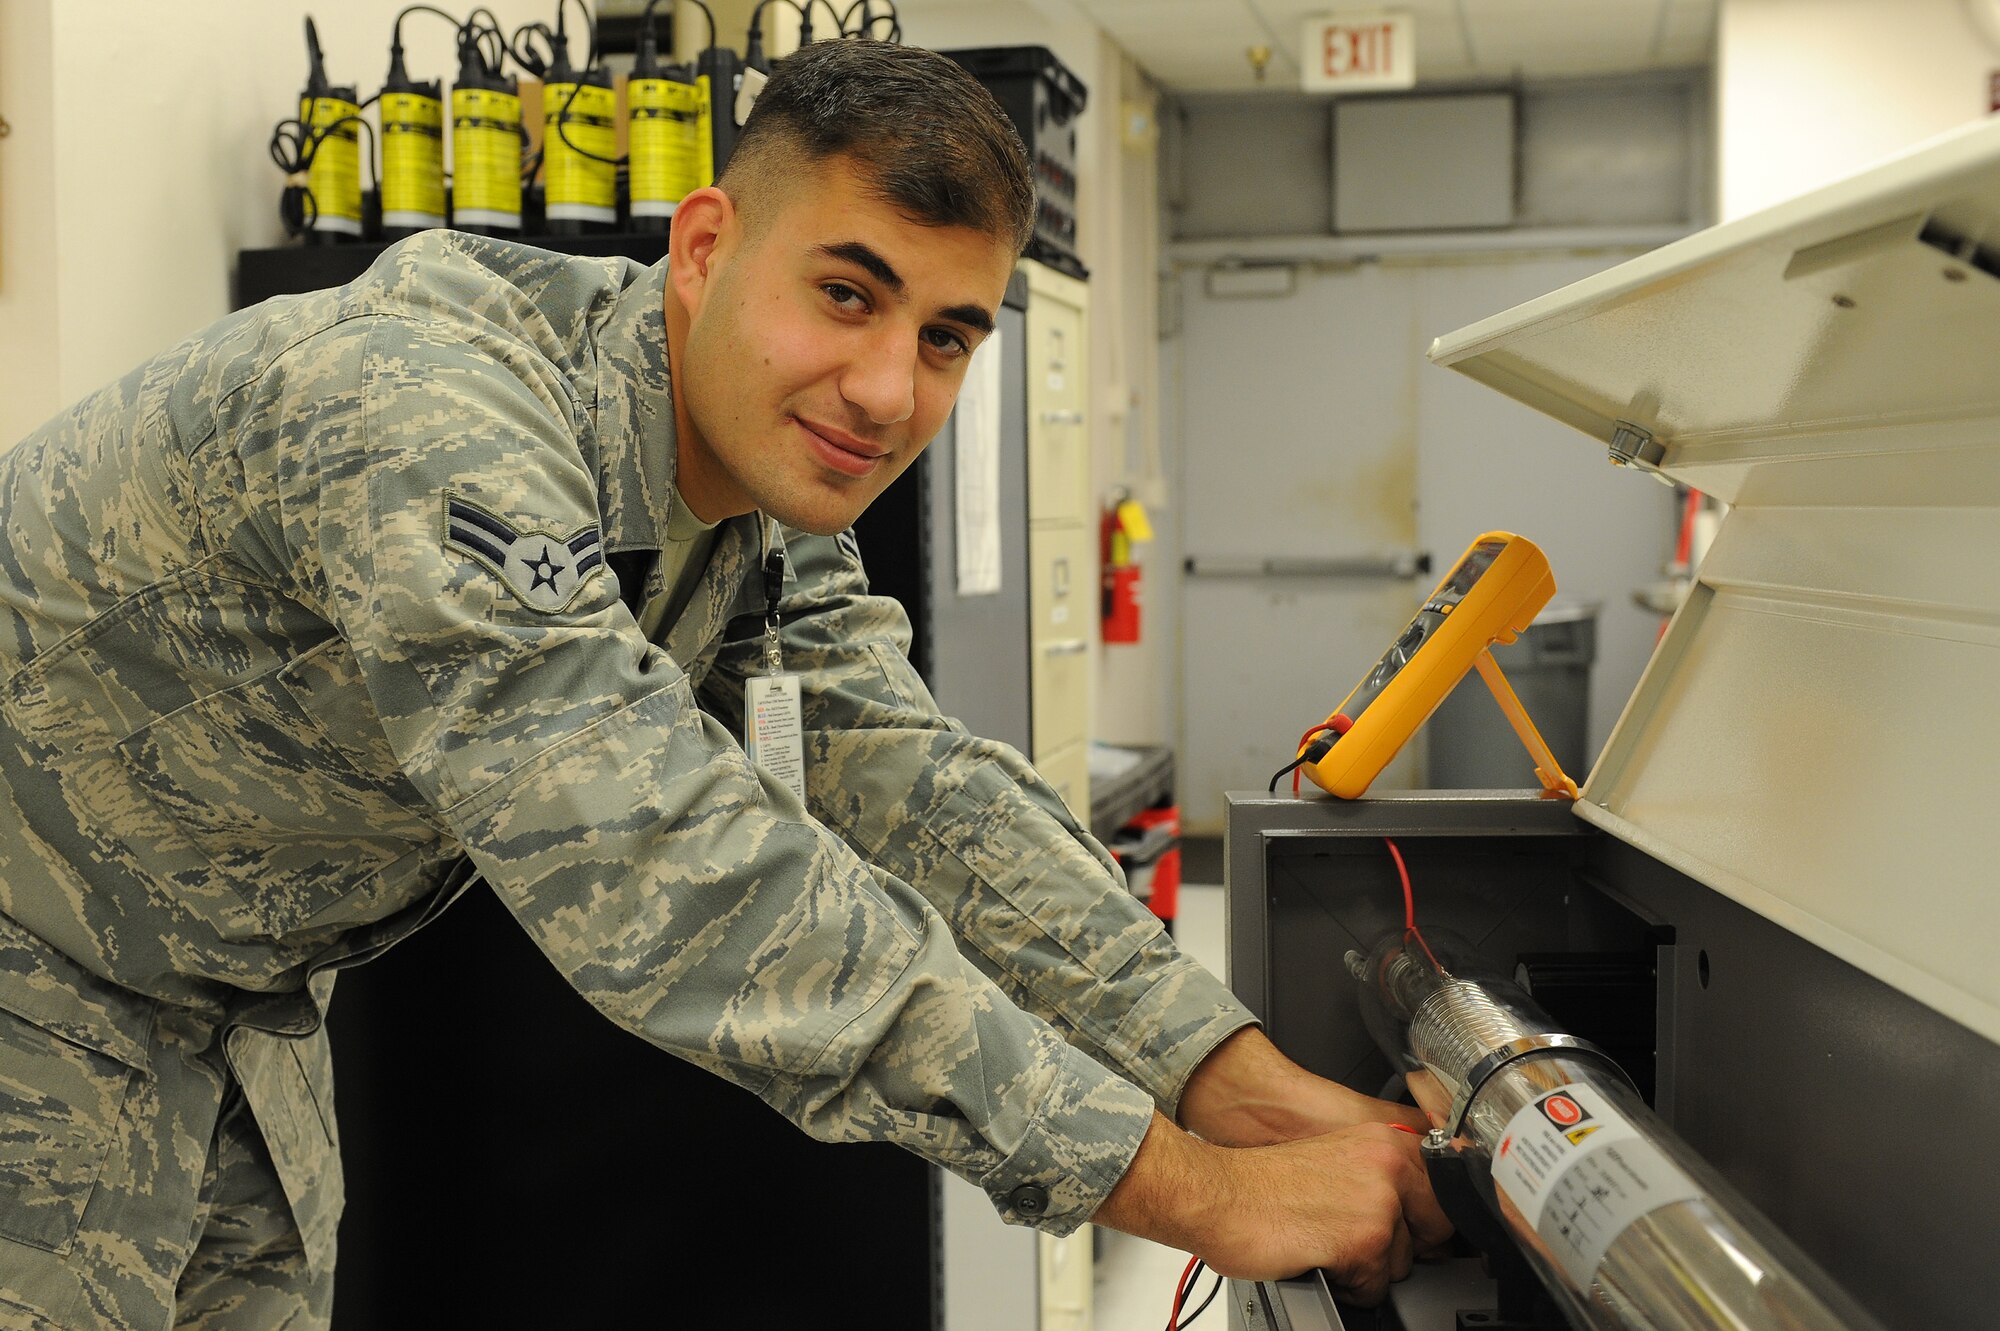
{"type": "Point", "coordinates": [1200, 45]}
{"type": "Point", "coordinates": [1538, 32]}
{"type": "Point", "coordinates": [1690, 20]}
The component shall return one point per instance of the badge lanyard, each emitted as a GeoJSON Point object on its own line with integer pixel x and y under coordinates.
{"type": "Point", "coordinates": [773, 718]}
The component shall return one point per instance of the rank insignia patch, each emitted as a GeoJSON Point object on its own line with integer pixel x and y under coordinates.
{"type": "Point", "coordinates": [544, 569]}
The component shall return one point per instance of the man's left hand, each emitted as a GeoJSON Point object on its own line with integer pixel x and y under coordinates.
{"type": "Point", "coordinates": [1246, 1093]}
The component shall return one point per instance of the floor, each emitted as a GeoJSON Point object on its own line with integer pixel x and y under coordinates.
{"type": "Point", "coordinates": [1135, 1279]}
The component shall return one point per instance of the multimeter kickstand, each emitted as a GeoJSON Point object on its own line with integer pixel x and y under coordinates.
{"type": "Point", "coordinates": [1492, 594]}
{"type": "Point", "coordinates": [1554, 783]}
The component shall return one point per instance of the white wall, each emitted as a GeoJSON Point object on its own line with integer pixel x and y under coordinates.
{"type": "Point", "coordinates": [1138, 693]}
{"type": "Point", "coordinates": [126, 198]}
{"type": "Point", "coordinates": [28, 308]}
{"type": "Point", "coordinates": [1809, 91]}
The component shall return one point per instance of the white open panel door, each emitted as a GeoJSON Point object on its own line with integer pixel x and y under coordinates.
{"type": "Point", "coordinates": [1818, 735]}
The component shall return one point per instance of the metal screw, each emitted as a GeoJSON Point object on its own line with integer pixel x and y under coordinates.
{"type": "Point", "coordinates": [1437, 1139]}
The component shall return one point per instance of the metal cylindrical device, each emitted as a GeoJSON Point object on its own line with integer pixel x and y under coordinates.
{"type": "Point", "coordinates": [1625, 1225]}
{"type": "Point", "coordinates": [666, 147]}
{"type": "Point", "coordinates": [329, 156]}
{"type": "Point", "coordinates": [718, 71]}
{"type": "Point", "coordinates": [579, 137]}
{"type": "Point", "coordinates": [664, 132]}
{"type": "Point", "coordinates": [485, 148]}
{"type": "Point", "coordinates": [333, 173]}
{"type": "Point", "coordinates": [412, 153]}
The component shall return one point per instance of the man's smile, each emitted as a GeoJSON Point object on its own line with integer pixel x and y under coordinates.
{"type": "Point", "coordinates": [845, 453]}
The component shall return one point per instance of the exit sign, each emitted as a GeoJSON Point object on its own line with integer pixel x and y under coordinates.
{"type": "Point", "coordinates": [1359, 53]}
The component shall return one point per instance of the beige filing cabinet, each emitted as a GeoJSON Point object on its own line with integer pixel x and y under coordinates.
{"type": "Point", "coordinates": [989, 1265]}
{"type": "Point", "coordinates": [1062, 636]}
{"type": "Point", "coordinates": [1062, 542]}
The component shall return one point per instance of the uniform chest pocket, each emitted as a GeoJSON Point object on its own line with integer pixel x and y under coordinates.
{"type": "Point", "coordinates": [60, 1106]}
{"type": "Point", "coordinates": [286, 785]}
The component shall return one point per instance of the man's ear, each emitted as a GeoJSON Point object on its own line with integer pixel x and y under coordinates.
{"type": "Point", "coordinates": [705, 230]}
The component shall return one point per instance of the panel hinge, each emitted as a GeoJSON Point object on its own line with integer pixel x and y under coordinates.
{"type": "Point", "coordinates": [1634, 446]}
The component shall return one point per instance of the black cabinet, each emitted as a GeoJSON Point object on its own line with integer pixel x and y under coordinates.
{"type": "Point", "coordinates": [971, 649]}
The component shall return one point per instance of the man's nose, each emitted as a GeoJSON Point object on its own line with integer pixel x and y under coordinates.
{"type": "Point", "coordinates": [882, 380]}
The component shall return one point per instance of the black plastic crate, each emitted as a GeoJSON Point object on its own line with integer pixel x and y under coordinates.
{"type": "Point", "coordinates": [1043, 99]}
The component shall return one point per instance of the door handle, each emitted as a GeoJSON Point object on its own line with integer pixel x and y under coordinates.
{"type": "Point", "coordinates": [1400, 564]}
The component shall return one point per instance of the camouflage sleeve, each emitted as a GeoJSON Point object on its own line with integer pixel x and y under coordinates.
{"type": "Point", "coordinates": [689, 899]}
{"type": "Point", "coordinates": [1040, 906]}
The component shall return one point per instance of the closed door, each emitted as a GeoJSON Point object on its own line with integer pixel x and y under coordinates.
{"type": "Point", "coordinates": [1314, 434]}
{"type": "Point", "coordinates": [1299, 458]}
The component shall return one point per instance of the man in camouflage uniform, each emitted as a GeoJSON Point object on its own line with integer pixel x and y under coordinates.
{"type": "Point", "coordinates": [465, 567]}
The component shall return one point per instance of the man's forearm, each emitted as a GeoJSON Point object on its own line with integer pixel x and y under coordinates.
{"type": "Point", "coordinates": [1168, 1192]}
{"type": "Point", "coordinates": [1355, 1202]}
{"type": "Point", "coordinates": [1247, 1093]}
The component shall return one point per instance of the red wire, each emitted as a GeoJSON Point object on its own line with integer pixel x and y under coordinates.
{"type": "Point", "coordinates": [1410, 929]}
{"type": "Point", "coordinates": [1338, 723]}
{"type": "Point", "coordinates": [1181, 1293]}
{"type": "Point", "coordinates": [1409, 897]}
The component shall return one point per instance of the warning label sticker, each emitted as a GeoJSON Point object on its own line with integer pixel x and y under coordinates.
{"type": "Point", "coordinates": [1561, 1110]}
{"type": "Point", "coordinates": [1580, 1173]}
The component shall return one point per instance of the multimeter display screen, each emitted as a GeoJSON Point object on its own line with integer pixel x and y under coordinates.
{"type": "Point", "coordinates": [1429, 619]}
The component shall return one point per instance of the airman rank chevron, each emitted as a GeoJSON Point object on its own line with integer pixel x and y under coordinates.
{"type": "Point", "coordinates": [544, 569]}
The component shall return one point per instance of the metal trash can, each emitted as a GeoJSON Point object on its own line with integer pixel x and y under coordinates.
{"type": "Point", "coordinates": [1471, 746]}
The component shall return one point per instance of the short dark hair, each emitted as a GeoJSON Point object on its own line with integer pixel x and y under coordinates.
{"type": "Point", "coordinates": [932, 140]}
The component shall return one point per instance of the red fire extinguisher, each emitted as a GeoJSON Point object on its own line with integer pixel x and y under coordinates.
{"type": "Point", "coordinates": [1124, 523]}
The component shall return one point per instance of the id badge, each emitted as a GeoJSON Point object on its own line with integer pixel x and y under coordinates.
{"type": "Point", "coordinates": [774, 729]}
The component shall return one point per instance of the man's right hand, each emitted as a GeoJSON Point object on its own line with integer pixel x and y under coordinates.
{"type": "Point", "coordinates": [1355, 1202]}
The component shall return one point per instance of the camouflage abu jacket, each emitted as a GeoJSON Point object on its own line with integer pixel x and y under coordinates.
{"type": "Point", "coordinates": [320, 604]}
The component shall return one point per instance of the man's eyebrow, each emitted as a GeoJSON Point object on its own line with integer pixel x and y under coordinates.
{"type": "Point", "coordinates": [863, 256]}
{"type": "Point", "coordinates": [972, 316]}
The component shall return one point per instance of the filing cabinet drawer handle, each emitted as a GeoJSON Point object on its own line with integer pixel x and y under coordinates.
{"type": "Point", "coordinates": [1068, 647]}
{"type": "Point", "coordinates": [1062, 418]}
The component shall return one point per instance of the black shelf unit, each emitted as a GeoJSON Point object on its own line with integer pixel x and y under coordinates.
{"type": "Point", "coordinates": [285, 270]}
{"type": "Point", "coordinates": [972, 650]}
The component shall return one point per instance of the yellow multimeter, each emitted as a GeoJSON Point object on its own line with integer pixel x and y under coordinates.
{"type": "Point", "coordinates": [1491, 595]}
